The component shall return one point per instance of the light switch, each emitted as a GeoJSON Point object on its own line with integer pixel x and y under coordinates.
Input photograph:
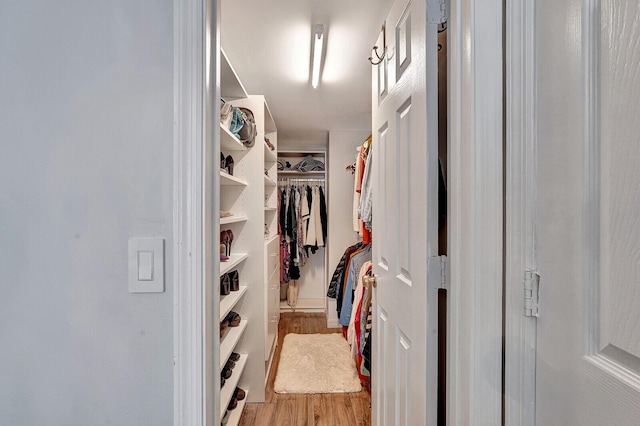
{"type": "Point", "coordinates": [146, 265]}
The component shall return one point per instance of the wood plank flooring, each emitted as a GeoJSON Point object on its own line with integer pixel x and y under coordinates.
{"type": "Point", "coordinates": [347, 409]}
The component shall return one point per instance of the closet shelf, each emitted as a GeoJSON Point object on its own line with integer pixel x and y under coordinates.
{"type": "Point", "coordinates": [234, 260]}
{"type": "Point", "coordinates": [228, 180]}
{"type": "Point", "coordinates": [296, 173]}
{"type": "Point", "coordinates": [270, 209]}
{"type": "Point", "coordinates": [230, 341]}
{"type": "Point", "coordinates": [229, 301]}
{"type": "Point", "coordinates": [288, 154]}
{"type": "Point", "coordinates": [228, 141]}
{"type": "Point", "coordinates": [269, 156]}
{"type": "Point", "coordinates": [233, 219]}
{"type": "Point", "coordinates": [269, 240]}
{"type": "Point", "coordinates": [236, 414]}
{"type": "Point", "coordinates": [227, 391]}
{"type": "Point", "coordinates": [268, 181]}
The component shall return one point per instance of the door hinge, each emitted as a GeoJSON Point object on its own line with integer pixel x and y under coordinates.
{"type": "Point", "coordinates": [437, 11]}
{"type": "Point", "coordinates": [531, 294]}
{"type": "Point", "coordinates": [438, 267]}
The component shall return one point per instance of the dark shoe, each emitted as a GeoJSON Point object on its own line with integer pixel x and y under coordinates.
{"type": "Point", "coordinates": [223, 328]}
{"type": "Point", "coordinates": [222, 162]}
{"type": "Point", "coordinates": [233, 319]}
{"type": "Point", "coordinates": [226, 373]}
{"type": "Point", "coordinates": [234, 278]}
{"type": "Point", "coordinates": [230, 364]}
{"type": "Point", "coordinates": [229, 164]}
{"type": "Point", "coordinates": [235, 357]}
{"type": "Point", "coordinates": [224, 241]}
{"type": "Point", "coordinates": [232, 404]}
{"type": "Point", "coordinates": [239, 394]}
{"type": "Point", "coordinates": [229, 241]}
{"type": "Point", "coordinates": [225, 285]}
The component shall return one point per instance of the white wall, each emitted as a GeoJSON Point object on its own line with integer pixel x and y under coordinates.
{"type": "Point", "coordinates": [342, 151]}
{"type": "Point", "coordinates": [86, 98]}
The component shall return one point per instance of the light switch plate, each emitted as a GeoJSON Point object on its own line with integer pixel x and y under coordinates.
{"type": "Point", "coordinates": [142, 265]}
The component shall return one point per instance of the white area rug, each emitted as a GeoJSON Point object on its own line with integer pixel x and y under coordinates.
{"type": "Point", "coordinates": [316, 363]}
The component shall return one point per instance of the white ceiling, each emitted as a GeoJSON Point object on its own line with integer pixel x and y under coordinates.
{"type": "Point", "coordinates": [268, 42]}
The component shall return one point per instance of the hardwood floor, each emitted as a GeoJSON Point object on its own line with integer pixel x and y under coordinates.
{"type": "Point", "coordinates": [298, 410]}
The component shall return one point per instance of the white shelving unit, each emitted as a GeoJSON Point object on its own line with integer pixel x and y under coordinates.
{"type": "Point", "coordinates": [251, 196]}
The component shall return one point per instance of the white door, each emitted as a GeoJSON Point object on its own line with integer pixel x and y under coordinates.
{"type": "Point", "coordinates": [405, 225]}
{"type": "Point", "coordinates": [588, 212]}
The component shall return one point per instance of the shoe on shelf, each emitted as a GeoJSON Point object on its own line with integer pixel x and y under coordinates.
{"type": "Point", "coordinates": [232, 404]}
{"type": "Point", "coordinates": [233, 319]}
{"type": "Point", "coordinates": [234, 280]}
{"type": "Point", "coordinates": [225, 285]}
{"type": "Point", "coordinates": [229, 164]}
{"type": "Point", "coordinates": [239, 394]}
{"type": "Point", "coordinates": [226, 373]}
{"type": "Point", "coordinates": [235, 357]}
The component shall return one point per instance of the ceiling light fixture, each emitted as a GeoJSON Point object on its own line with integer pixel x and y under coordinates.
{"type": "Point", "coordinates": [318, 40]}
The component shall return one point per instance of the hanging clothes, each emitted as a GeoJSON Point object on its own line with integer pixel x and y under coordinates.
{"type": "Point", "coordinates": [301, 212]}
{"type": "Point", "coordinates": [340, 270]}
{"type": "Point", "coordinates": [357, 261]}
{"type": "Point", "coordinates": [323, 214]}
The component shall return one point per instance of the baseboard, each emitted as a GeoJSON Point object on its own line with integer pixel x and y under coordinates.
{"type": "Point", "coordinates": [333, 323]}
{"type": "Point", "coordinates": [304, 305]}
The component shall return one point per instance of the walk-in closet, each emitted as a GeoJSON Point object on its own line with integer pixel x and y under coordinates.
{"type": "Point", "coordinates": [324, 194]}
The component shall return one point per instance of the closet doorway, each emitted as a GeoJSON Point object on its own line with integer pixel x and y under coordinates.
{"type": "Point", "coordinates": [409, 174]}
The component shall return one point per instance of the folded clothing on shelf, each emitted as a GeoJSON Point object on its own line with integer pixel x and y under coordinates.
{"type": "Point", "coordinates": [308, 164]}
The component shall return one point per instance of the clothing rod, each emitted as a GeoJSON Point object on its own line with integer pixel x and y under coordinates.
{"type": "Point", "coordinates": [287, 180]}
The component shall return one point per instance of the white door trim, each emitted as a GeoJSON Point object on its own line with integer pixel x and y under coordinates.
{"type": "Point", "coordinates": [195, 204]}
{"type": "Point", "coordinates": [520, 195]}
{"type": "Point", "coordinates": [475, 185]}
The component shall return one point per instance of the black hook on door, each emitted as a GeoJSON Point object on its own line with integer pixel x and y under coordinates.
{"type": "Point", "coordinates": [384, 47]}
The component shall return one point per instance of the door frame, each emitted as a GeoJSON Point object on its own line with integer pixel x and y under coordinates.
{"type": "Point", "coordinates": [195, 201]}
{"type": "Point", "coordinates": [520, 219]}
{"type": "Point", "coordinates": [475, 213]}
{"type": "Point", "coordinates": [475, 192]}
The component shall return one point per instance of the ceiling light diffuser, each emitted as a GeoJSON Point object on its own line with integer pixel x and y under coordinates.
{"type": "Point", "coordinates": [318, 41]}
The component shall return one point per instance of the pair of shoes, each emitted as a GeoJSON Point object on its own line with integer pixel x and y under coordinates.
{"type": "Point", "coordinates": [226, 238]}
{"type": "Point", "coordinates": [229, 282]}
{"type": "Point", "coordinates": [232, 319]}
